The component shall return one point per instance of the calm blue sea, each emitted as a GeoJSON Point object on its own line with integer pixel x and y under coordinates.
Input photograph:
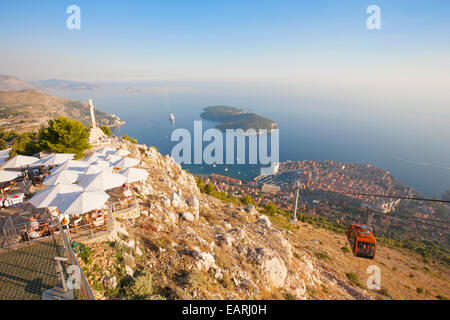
{"type": "Point", "coordinates": [413, 145]}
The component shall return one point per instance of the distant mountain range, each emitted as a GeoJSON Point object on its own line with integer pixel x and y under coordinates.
{"type": "Point", "coordinates": [27, 110]}
{"type": "Point", "coordinates": [12, 83]}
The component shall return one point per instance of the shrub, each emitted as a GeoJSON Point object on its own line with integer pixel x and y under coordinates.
{"type": "Point", "coordinates": [142, 287]}
{"type": "Point", "coordinates": [106, 130]}
{"type": "Point", "coordinates": [322, 256]}
{"type": "Point", "coordinates": [354, 279]}
{"type": "Point", "coordinates": [384, 292]}
{"type": "Point", "coordinates": [64, 136]}
{"type": "Point", "coordinates": [345, 249]}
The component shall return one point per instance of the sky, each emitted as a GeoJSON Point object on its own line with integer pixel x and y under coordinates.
{"type": "Point", "coordinates": [323, 43]}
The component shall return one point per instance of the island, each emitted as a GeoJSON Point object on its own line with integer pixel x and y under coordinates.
{"type": "Point", "coordinates": [235, 118]}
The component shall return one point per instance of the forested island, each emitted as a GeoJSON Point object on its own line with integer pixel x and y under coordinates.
{"type": "Point", "coordinates": [234, 118]}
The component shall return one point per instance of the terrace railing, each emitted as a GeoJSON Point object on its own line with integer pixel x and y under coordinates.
{"type": "Point", "coordinates": [82, 290]}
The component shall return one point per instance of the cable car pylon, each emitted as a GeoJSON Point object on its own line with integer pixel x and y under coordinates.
{"type": "Point", "coordinates": [294, 212]}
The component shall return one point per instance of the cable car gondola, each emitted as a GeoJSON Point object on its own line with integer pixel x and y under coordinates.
{"type": "Point", "coordinates": [362, 241]}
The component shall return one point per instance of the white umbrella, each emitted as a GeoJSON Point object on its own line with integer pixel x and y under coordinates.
{"type": "Point", "coordinates": [62, 177]}
{"type": "Point", "coordinates": [102, 164]}
{"type": "Point", "coordinates": [106, 150]}
{"type": "Point", "coordinates": [3, 160]}
{"type": "Point", "coordinates": [5, 153]}
{"type": "Point", "coordinates": [113, 159]}
{"type": "Point", "coordinates": [134, 175]}
{"type": "Point", "coordinates": [96, 169]}
{"type": "Point", "coordinates": [94, 157]}
{"type": "Point", "coordinates": [55, 159]}
{"type": "Point", "coordinates": [75, 203]}
{"type": "Point", "coordinates": [9, 175]}
{"type": "Point", "coordinates": [43, 198]}
{"type": "Point", "coordinates": [20, 161]}
{"type": "Point", "coordinates": [121, 153]}
{"type": "Point", "coordinates": [75, 165]}
{"type": "Point", "coordinates": [126, 163]}
{"type": "Point", "coordinates": [102, 181]}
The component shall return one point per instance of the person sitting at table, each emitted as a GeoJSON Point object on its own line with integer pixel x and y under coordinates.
{"type": "Point", "coordinates": [33, 234]}
{"type": "Point", "coordinates": [33, 223]}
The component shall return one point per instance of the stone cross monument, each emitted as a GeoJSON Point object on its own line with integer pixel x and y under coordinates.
{"type": "Point", "coordinates": [96, 135]}
{"type": "Point", "coordinates": [91, 107]}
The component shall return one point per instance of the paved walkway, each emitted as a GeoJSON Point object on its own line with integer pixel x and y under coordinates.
{"type": "Point", "coordinates": [26, 272]}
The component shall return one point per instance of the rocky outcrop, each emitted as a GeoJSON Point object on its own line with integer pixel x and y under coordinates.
{"type": "Point", "coordinates": [239, 252]}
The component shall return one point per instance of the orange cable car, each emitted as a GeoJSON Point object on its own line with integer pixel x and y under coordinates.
{"type": "Point", "coordinates": [362, 241]}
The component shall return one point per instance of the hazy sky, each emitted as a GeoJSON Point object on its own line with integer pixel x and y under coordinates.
{"type": "Point", "coordinates": [318, 43]}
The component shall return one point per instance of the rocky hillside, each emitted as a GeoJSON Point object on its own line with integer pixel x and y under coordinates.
{"type": "Point", "coordinates": [183, 244]}
{"type": "Point", "coordinates": [12, 83]}
{"type": "Point", "coordinates": [27, 110]}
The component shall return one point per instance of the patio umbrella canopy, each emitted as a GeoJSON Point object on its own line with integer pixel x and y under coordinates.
{"type": "Point", "coordinates": [94, 157]}
{"type": "Point", "coordinates": [9, 175]}
{"type": "Point", "coordinates": [134, 175]}
{"type": "Point", "coordinates": [126, 163]}
{"type": "Point", "coordinates": [20, 161]}
{"type": "Point", "coordinates": [75, 203]}
{"type": "Point", "coordinates": [96, 169]}
{"type": "Point", "coordinates": [74, 165]}
{"type": "Point", "coordinates": [102, 164]}
{"type": "Point", "coordinates": [55, 159]}
{"type": "Point", "coordinates": [102, 181]}
{"type": "Point", "coordinates": [121, 153]}
{"type": "Point", "coordinates": [113, 159]}
{"type": "Point", "coordinates": [5, 153]}
{"type": "Point", "coordinates": [43, 198]}
{"type": "Point", "coordinates": [62, 177]}
{"type": "Point", "coordinates": [106, 150]}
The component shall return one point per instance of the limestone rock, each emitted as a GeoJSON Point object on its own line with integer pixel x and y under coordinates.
{"type": "Point", "coordinates": [275, 271]}
{"type": "Point", "coordinates": [205, 260]}
{"type": "Point", "coordinates": [109, 282]}
{"type": "Point", "coordinates": [264, 221]}
{"type": "Point", "coordinates": [187, 216]}
{"type": "Point", "coordinates": [225, 239]}
{"type": "Point", "coordinates": [177, 200]}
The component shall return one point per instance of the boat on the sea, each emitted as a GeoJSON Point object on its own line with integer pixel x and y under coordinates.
{"type": "Point", "coordinates": [171, 117]}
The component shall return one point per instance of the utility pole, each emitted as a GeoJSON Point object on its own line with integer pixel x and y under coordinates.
{"type": "Point", "coordinates": [370, 214]}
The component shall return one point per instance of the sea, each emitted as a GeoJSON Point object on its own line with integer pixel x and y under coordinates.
{"type": "Point", "coordinates": [409, 140]}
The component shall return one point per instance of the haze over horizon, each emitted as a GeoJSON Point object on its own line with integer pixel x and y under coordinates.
{"type": "Point", "coordinates": [320, 43]}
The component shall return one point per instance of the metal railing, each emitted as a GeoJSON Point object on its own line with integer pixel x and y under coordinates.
{"type": "Point", "coordinates": [118, 207]}
{"type": "Point", "coordinates": [84, 291]}
{"type": "Point", "coordinates": [16, 234]}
